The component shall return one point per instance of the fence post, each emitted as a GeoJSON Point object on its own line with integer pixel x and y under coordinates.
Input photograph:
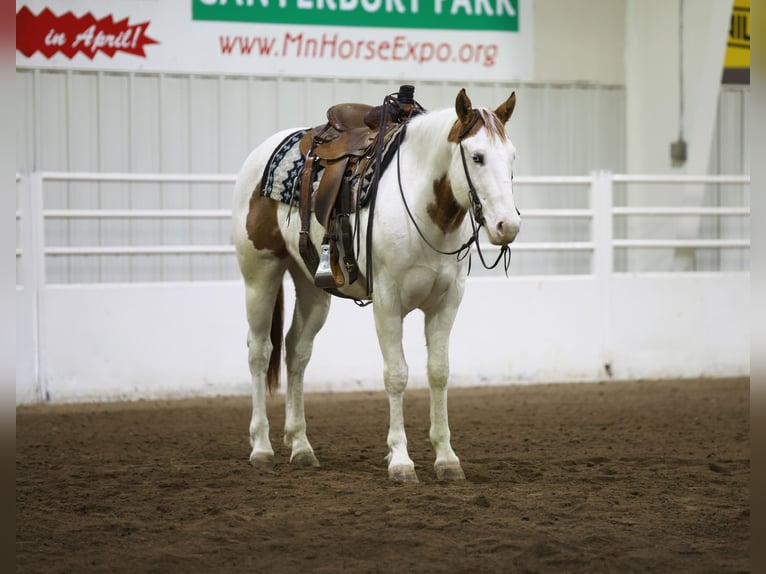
{"type": "Point", "coordinates": [603, 260]}
{"type": "Point", "coordinates": [34, 274]}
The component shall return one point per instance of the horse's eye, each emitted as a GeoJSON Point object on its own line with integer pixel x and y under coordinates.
{"type": "Point", "coordinates": [478, 158]}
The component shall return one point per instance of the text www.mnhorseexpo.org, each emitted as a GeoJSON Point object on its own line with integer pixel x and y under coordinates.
{"type": "Point", "coordinates": [335, 47]}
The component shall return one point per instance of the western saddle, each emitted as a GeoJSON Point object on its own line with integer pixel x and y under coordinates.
{"type": "Point", "coordinates": [346, 148]}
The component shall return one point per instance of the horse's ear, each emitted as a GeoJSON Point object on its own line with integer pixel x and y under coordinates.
{"type": "Point", "coordinates": [463, 107]}
{"type": "Point", "coordinates": [505, 109]}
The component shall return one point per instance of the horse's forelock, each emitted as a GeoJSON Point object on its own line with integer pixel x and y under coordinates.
{"type": "Point", "coordinates": [494, 125]}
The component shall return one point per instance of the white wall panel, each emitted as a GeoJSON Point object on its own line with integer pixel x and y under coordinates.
{"type": "Point", "coordinates": [730, 153]}
{"type": "Point", "coordinates": [50, 96]}
{"type": "Point", "coordinates": [114, 125]}
{"type": "Point", "coordinates": [25, 120]}
{"type": "Point", "coordinates": [234, 120]}
{"type": "Point", "coordinates": [145, 126]}
{"type": "Point", "coordinates": [560, 338]}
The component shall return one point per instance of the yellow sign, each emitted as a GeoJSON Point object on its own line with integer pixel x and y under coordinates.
{"type": "Point", "coordinates": [737, 62]}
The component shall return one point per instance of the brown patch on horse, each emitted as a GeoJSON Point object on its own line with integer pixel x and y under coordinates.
{"type": "Point", "coordinates": [445, 211]}
{"type": "Point", "coordinates": [262, 226]}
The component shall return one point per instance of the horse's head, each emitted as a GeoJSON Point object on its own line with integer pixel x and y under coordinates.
{"type": "Point", "coordinates": [481, 170]}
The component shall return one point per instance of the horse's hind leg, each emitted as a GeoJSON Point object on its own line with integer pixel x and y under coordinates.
{"type": "Point", "coordinates": [438, 325]}
{"type": "Point", "coordinates": [311, 307]}
{"type": "Point", "coordinates": [261, 294]}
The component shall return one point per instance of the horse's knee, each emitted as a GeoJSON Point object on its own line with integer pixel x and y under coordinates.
{"type": "Point", "coordinates": [395, 379]}
{"type": "Point", "coordinates": [438, 376]}
{"type": "Point", "coordinates": [258, 353]}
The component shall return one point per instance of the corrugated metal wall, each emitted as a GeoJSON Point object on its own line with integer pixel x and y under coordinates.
{"type": "Point", "coordinates": [131, 122]}
{"type": "Point", "coordinates": [730, 153]}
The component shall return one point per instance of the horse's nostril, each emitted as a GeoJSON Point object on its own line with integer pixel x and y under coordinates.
{"type": "Point", "coordinates": [507, 229]}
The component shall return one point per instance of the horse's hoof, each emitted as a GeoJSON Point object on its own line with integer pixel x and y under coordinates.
{"type": "Point", "coordinates": [449, 472]}
{"type": "Point", "coordinates": [402, 474]}
{"type": "Point", "coordinates": [305, 458]}
{"type": "Point", "coordinates": [262, 461]}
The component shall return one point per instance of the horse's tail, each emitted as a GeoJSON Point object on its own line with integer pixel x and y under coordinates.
{"type": "Point", "coordinates": [277, 326]}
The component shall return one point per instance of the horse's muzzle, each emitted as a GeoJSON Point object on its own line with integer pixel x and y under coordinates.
{"type": "Point", "coordinates": [504, 231]}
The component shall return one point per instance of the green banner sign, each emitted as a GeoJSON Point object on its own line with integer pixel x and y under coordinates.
{"type": "Point", "coordinates": [499, 15]}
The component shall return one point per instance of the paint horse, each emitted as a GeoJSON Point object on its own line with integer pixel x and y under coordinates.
{"type": "Point", "coordinates": [452, 174]}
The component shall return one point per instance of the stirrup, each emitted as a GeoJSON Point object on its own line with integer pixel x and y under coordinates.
{"type": "Point", "coordinates": [328, 274]}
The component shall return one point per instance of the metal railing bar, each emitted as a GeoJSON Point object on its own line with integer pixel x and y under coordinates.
{"type": "Point", "coordinates": [557, 213]}
{"type": "Point", "coordinates": [138, 177]}
{"type": "Point", "coordinates": [142, 250]}
{"type": "Point", "coordinates": [738, 211]}
{"type": "Point", "coordinates": [553, 180]}
{"type": "Point", "coordinates": [630, 178]}
{"type": "Point", "coordinates": [682, 243]}
{"type": "Point", "coordinates": [137, 213]}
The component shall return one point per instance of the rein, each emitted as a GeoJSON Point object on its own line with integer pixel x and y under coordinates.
{"type": "Point", "coordinates": [476, 211]}
{"type": "Point", "coordinates": [389, 104]}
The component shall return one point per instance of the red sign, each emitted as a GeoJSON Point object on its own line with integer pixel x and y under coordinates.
{"type": "Point", "coordinates": [69, 35]}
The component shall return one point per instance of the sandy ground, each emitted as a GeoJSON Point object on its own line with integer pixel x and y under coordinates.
{"type": "Point", "coordinates": [615, 477]}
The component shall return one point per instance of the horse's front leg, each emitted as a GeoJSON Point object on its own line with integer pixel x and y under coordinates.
{"type": "Point", "coordinates": [438, 325]}
{"type": "Point", "coordinates": [388, 324]}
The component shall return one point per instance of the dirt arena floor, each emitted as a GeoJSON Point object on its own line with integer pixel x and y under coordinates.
{"type": "Point", "coordinates": [616, 477]}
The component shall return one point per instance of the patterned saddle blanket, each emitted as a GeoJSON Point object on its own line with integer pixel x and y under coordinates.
{"type": "Point", "coordinates": [283, 173]}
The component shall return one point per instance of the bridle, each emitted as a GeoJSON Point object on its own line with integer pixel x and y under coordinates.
{"type": "Point", "coordinates": [475, 214]}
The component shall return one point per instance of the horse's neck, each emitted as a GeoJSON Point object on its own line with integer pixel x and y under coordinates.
{"type": "Point", "coordinates": [427, 141]}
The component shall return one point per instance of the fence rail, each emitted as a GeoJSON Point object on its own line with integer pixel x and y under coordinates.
{"type": "Point", "coordinates": [138, 177]}
{"type": "Point", "coordinates": [137, 214]}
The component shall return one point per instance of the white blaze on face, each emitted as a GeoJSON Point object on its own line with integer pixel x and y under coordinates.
{"type": "Point", "coordinates": [489, 162]}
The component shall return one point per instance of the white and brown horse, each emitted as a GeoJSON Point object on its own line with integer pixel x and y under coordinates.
{"type": "Point", "coordinates": [453, 167]}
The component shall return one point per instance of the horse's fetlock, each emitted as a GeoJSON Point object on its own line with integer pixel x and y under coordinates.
{"type": "Point", "coordinates": [293, 431]}
{"type": "Point", "coordinates": [439, 437]}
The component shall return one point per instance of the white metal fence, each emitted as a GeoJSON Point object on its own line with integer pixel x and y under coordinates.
{"type": "Point", "coordinates": [193, 244]}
